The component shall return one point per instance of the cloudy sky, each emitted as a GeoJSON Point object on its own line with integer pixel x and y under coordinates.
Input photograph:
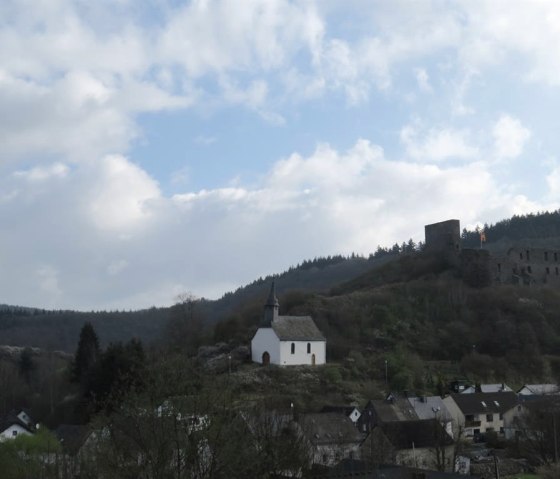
{"type": "Point", "coordinates": [153, 147]}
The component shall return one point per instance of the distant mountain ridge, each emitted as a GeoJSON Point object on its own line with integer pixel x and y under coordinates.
{"type": "Point", "coordinates": [58, 330]}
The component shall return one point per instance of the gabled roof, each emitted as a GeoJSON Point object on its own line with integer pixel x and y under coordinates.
{"type": "Point", "coordinates": [346, 410]}
{"type": "Point", "coordinates": [541, 389]}
{"type": "Point", "coordinates": [421, 433]}
{"type": "Point", "coordinates": [430, 407]}
{"type": "Point", "coordinates": [392, 408]}
{"type": "Point", "coordinates": [485, 403]}
{"type": "Point", "coordinates": [296, 328]}
{"type": "Point", "coordinates": [328, 428]}
{"type": "Point", "coordinates": [72, 437]}
{"type": "Point", "coordinates": [12, 419]}
{"type": "Point", "coordinates": [487, 388]}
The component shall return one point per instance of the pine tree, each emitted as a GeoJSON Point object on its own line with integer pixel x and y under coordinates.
{"type": "Point", "coordinates": [86, 356]}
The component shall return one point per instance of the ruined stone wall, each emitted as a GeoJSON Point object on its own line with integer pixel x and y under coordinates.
{"type": "Point", "coordinates": [521, 264]}
{"type": "Point", "coordinates": [525, 265]}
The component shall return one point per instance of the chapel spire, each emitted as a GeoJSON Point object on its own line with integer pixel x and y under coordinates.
{"type": "Point", "coordinates": [270, 308]}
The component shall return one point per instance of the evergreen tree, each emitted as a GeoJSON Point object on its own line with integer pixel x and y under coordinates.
{"type": "Point", "coordinates": [86, 356]}
{"type": "Point", "coordinates": [26, 364]}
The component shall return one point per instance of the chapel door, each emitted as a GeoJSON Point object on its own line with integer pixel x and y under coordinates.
{"type": "Point", "coordinates": [265, 358]}
{"type": "Point", "coordinates": [313, 360]}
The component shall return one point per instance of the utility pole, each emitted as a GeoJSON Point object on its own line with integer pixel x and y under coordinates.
{"type": "Point", "coordinates": [386, 376]}
{"type": "Point", "coordinates": [496, 467]}
{"type": "Point", "coordinates": [555, 438]}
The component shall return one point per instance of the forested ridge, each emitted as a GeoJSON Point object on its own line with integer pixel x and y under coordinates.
{"type": "Point", "coordinates": [332, 275]}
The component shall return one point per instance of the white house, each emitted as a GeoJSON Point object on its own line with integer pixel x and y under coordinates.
{"type": "Point", "coordinates": [287, 340]}
{"type": "Point", "coordinates": [15, 424]}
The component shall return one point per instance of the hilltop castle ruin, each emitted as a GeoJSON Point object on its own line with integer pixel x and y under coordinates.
{"type": "Point", "coordinates": [521, 263]}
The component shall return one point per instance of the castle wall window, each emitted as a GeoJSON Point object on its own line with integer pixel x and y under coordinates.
{"type": "Point", "coordinates": [499, 268]}
{"type": "Point", "coordinates": [308, 348]}
{"type": "Point", "coordinates": [547, 270]}
{"type": "Point", "coordinates": [546, 255]}
{"type": "Point", "coordinates": [555, 256]}
{"type": "Point", "coordinates": [293, 348]}
{"type": "Point", "coordinates": [527, 254]}
{"type": "Point", "coordinates": [556, 270]}
{"type": "Point", "coordinates": [520, 255]}
{"type": "Point", "coordinates": [529, 269]}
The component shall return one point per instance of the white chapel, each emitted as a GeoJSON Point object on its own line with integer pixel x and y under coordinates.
{"type": "Point", "coordinates": [287, 340]}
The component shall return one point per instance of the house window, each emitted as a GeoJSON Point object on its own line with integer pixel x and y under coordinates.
{"type": "Point", "coordinates": [489, 417]}
{"type": "Point", "coordinates": [14, 433]}
{"type": "Point", "coordinates": [501, 430]}
{"type": "Point", "coordinates": [501, 416]}
{"type": "Point", "coordinates": [293, 348]}
{"type": "Point", "coordinates": [308, 348]}
{"type": "Point", "coordinates": [469, 417]}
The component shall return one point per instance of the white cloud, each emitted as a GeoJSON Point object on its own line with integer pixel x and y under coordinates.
{"type": "Point", "coordinates": [423, 80]}
{"type": "Point", "coordinates": [120, 194]}
{"type": "Point", "coordinates": [437, 144]}
{"type": "Point", "coordinates": [510, 137]}
{"type": "Point", "coordinates": [117, 267]}
{"type": "Point", "coordinates": [43, 173]}
{"type": "Point", "coordinates": [110, 239]}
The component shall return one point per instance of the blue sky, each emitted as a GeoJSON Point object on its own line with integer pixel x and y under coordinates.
{"type": "Point", "coordinates": [155, 147]}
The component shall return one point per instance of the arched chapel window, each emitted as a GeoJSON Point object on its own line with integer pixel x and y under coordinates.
{"type": "Point", "coordinates": [308, 348]}
{"type": "Point", "coordinates": [293, 348]}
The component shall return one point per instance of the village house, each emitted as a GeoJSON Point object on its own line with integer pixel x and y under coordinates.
{"type": "Point", "coordinates": [331, 437]}
{"type": "Point", "coordinates": [421, 443]}
{"type": "Point", "coordinates": [287, 340]}
{"type": "Point", "coordinates": [478, 413]}
{"type": "Point", "coordinates": [432, 407]}
{"type": "Point", "coordinates": [79, 449]}
{"type": "Point", "coordinates": [15, 424]}
{"type": "Point", "coordinates": [378, 411]}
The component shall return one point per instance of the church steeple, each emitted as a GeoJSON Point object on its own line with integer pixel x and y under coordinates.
{"type": "Point", "coordinates": [270, 308]}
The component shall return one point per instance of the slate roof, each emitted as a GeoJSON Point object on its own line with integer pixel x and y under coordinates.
{"type": "Point", "coordinates": [541, 389]}
{"type": "Point", "coordinates": [328, 428]}
{"type": "Point", "coordinates": [296, 328]}
{"type": "Point", "coordinates": [12, 419]}
{"type": "Point", "coordinates": [430, 407]}
{"type": "Point", "coordinates": [487, 388]}
{"type": "Point", "coordinates": [72, 437]}
{"type": "Point", "coordinates": [422, 432]}
{"type": "Point", "coordinates": [485, 403]}
{"type": "Point", "coordinates": [393, 408]}
{"type": "Point", "coordinates": [346, 410]}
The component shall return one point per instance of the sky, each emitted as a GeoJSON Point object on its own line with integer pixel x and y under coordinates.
{"type": "Point", "coordinates": [150, 148]}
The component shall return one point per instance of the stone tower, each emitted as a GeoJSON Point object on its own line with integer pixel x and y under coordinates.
{"type": "Point", "coordinates": [443, 237]}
